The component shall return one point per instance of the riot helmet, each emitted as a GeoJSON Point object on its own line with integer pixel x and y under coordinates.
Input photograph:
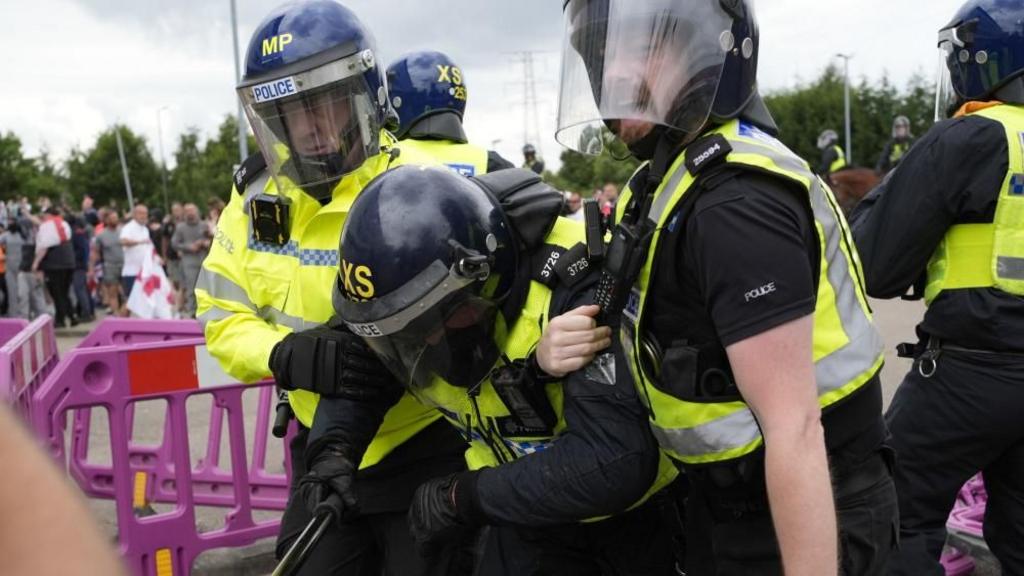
{"type": "Point", "coordinates": [427, 259]}
{"type": "Point", "coordinates": [423, 85]}
{"type": "Point", "coordinates": [633, 65]}
{"type": "Point", "coordinates": [982, 55]}
{"type": "Point", "coordinates": [314, 94]}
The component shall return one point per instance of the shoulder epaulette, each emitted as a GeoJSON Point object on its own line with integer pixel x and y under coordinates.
{"type": "Point", "coordinates": [249, 171]}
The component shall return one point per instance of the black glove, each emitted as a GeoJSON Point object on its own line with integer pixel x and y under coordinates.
{"type": "Point", "coordinates": [332, 470]}
{"type": "Point", "coordinates": [329, 361]}
{"type": "Point", "coordinates": [443, 511]}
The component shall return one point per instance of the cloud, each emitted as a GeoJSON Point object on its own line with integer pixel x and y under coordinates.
{"type": "Point", "coordinates": [101, 61]}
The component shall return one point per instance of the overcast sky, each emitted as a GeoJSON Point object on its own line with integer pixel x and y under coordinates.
{"type": "Point", "coordinates": [73, 67]}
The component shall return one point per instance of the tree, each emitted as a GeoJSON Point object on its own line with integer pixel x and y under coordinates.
{"type": "Point", "coordinates": [204, 172]}
{"type": "Point", "coordinates": [804, 111]}
{"type": "Point", "coordinates": [584, 173]}
{"type": "Point", "coordinates": [16, 171]}
{"type": "Point", "coordinates": [97, 172]}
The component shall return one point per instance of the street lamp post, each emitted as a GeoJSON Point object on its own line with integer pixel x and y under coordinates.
{"type": "Point", "coordinates": [846, 104]}
{"type": "Point", "coordinates": [163, 160]}
{"type": "Point", "coordinates": [243, 140]}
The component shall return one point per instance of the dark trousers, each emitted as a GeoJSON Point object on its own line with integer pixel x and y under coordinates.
{"type": "Point", "coordinates": [965, 418]}
{"type": "Point", "coordinates": [727, 536]}
{"type": "Point", "coordinates": [58, 284]}
{"type": "Point", "coordinates": [634, 543]}
{"type": "Point", "coordinates": [80, 282]}
{"type": "Point", "coordinates": [377, 542]}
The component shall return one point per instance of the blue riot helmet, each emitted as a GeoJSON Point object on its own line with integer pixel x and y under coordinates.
{"type": "Point", "coordinates": [427, 259]}
{"type": "Point", "coordinates": [632, 65]}
{"type": "Point", "coordinates": [314, 94]}
{"type": "Point", "coordinates": [982, 49]}
{"type": "Point", "coordinates": [423, 86]}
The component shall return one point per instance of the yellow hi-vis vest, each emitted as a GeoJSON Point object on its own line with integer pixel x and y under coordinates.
{"type": "Point", "coordinates": [487, 445]}
{"type": "Point", "coordinates": [988, 255]}
{"type": "Point", "coordinates": [840, 162]}
{"type": "Point", "coordinates": [847, 348]}
{"type": "Point", "coordinates": [251, 294]}
{"type": "Point", "coordinates": [466, 159]}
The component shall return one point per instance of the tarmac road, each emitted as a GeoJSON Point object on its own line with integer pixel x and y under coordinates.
{"type": "Point", "coordinates": [895, 319]}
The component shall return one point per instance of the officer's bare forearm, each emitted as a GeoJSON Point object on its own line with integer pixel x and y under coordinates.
{"type": "Point", "coordinates": [800, 496]}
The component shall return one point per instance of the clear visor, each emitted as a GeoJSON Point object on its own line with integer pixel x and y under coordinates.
{"type": "Point", "coordinates": [946, 98]}
{"type": "Point", "coordinates": [313, 128]}
{"type": "Point", "coordinates": [630, 66]}
{"type": "Point", "coordinates": [433, 327]}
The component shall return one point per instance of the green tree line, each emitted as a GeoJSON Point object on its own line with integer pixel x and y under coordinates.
{"type": "Point", "coordinates": [202, 170]}
{"type": "Point", "coordinates": [203, 167]}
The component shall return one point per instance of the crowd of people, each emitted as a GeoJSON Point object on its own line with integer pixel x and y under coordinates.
{"type": "Point", "coordinates": [74, 264]}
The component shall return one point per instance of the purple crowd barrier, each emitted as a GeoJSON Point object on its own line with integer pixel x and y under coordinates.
{"type": "Point", "coordinates": [28, 355]}
{"type": "Point", "coordinates": [967, 517]}
{"type": "Point", "coordinates": [124, 362]}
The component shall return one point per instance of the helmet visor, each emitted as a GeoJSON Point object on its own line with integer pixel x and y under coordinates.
{"type": "Point", "coordinates": [946, 97]}
{"type": "Point", "coordinates": [434, 327]}
{"type": "Point", "coordinates": [630, 66]}
{"type": "Point", "coordinates": [313, 128]}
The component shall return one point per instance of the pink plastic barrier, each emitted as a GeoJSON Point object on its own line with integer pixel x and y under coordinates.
{"type": "Point", "coordinates": [133, 331]}
{"type": "Point", "coordinates": [967, 518]}
{"type": "Point", "coordinates": [108, 372]}
{"type": "Point", "coordinates": [28, 355]}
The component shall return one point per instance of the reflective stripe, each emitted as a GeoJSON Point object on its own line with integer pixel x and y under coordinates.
{"type": "Point", "coordinates": [1009, 267]}
{"type": "Point", "coordinates": [735, 430]}
{"type": "Point", "coordinates": [213, 315]}
{"type": "Point", "coordinates": [223, 288]}
{"type": "Point", "coordinates": [275, 316]}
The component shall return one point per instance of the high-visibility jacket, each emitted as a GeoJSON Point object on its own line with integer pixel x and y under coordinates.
{"type": "Point", "coordinates": [479, 416]}
{"type": "Point", "coordinates": [840, 162]}
{"type": "Point", "coordinates": [899, 149]}
{"type": "Point", "coordinates": [988, 255]}
{"type": "Point", "coordinates": [251, 294]}
{"type": "Point", "coordinates": [464, 158]}
{"type": "Point", "coordinates": [847, 348]}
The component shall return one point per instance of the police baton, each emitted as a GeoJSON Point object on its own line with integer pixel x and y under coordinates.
{"type": "Point", "coordinates": [327, 512]}
{"type": "Point", "coordinates": [282, 414]}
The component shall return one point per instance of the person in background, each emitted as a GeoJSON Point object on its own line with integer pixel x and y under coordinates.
{"type": "Point", "coordinates": [107, 252]}
{"type": "Point", "coordinates": [171, 257]}
{"type": "Point", "coordinates": [833, 158]}
{"type": "Point", "coordinates": [31, 298]}
{"type": "Point", "coordinates": [573, 206]}
{"type": "Point", "coordinates": [11, 242]}
{"type": "Point", "coordinates": [896, 147]}
{"type": "Point", "coordinates": [530, 160]}
{"type": "Point", "coordinates": [55, 258]}
{"type": "Point", "coordinates": [192, 242]}
{"type": "Point", "coordinates": [79, 279]}
{"type": "Point", "coordinates": [137, 244]}
{"type": "Point", "coordinates": [214, 208]}
{"type": "Point", "coordinates": [89, 213]}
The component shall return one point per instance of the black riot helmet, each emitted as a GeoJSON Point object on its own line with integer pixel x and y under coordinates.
{"type": "Point", "coordinates": [427, 258]}
{"type": "Point", "coordinates": [636, 65]}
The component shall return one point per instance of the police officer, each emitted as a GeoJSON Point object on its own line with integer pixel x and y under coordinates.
{"type": "Point", "coordinates": [428, 92]}
{"type": "Point", "coordinates": [316, 99]}
{"type": "Point", "coordinates": [742, 315]}
{"type": "Point", "coordinates": [458, 317]}
{"type": "Point", "coordinates": [530, 160]}
{"type": "Point", "coordinates": [833, 159]}
{"type": "Point", "coordinates": [896, 147]}
{"type": "Point", "coordinates": [948, 222]}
